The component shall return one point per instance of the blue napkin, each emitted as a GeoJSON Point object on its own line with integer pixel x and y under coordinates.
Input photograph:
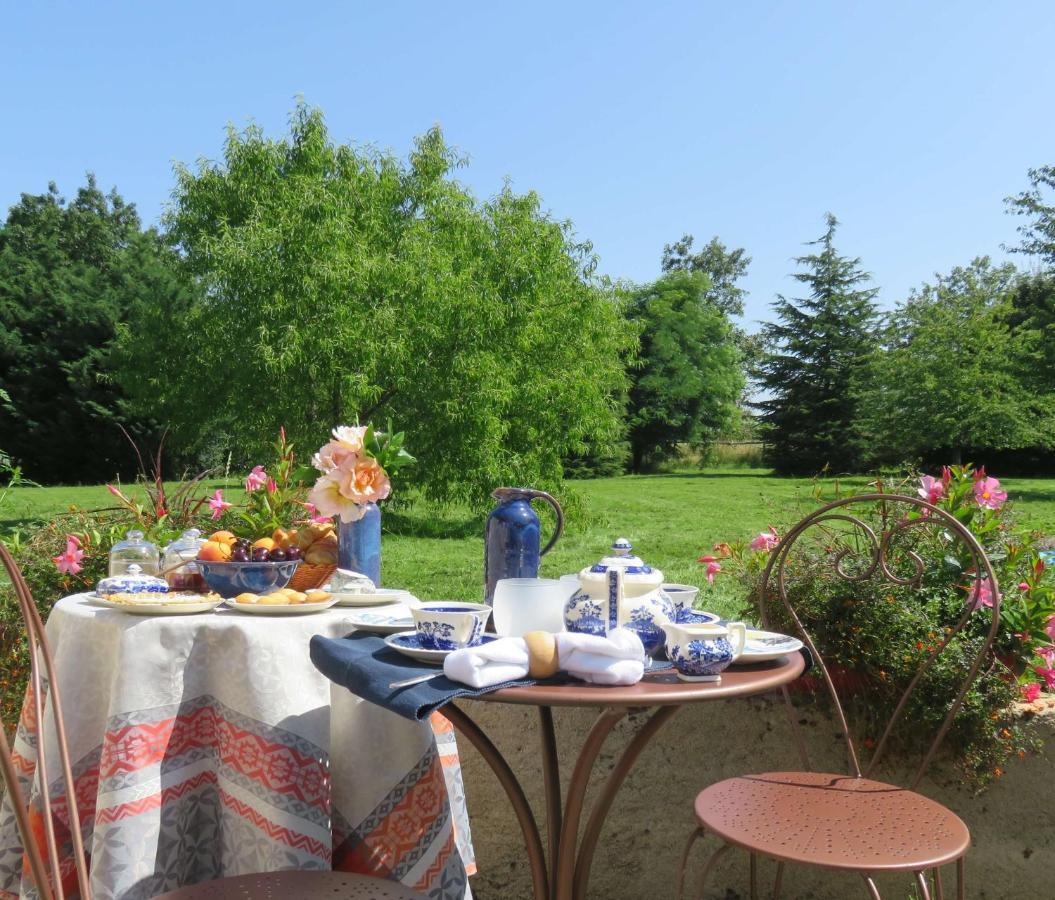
{"type": "Point", "coordinates": [364, 664]}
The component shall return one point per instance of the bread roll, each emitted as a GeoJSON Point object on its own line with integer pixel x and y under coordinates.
{"type": "Point", "coordinates": [542, 654]}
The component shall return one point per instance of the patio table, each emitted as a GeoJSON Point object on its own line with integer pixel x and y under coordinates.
{"type": "Point", "coordinates": [209, 745]}
{"type": "Point", "coordinates": [570, 859]}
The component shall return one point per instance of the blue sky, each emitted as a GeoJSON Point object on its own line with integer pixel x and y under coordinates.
{"type": "Point", "coordinates": [637, 121]}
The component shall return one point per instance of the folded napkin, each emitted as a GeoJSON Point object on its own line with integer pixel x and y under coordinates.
{"type": "Point", "coordinates": [616, 659]}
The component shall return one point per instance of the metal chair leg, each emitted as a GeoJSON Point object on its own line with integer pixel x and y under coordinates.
{"type": "Point", "coordinates": [939, 894]}
{"type": "Point", "coordinates": [960, 877]}
{"type": "Point", "coordinates": [921, 883]}
{"type": "Point", "coordinates": [778, 882]}
{"type": "Point", "coordinates": [754, 876]}
{"type": "Point", "coordinates": [717, 855]}
{"type": "Point", "coordinates": [693, 838]}
{"type": "Point", "coordinates": [873, 891]}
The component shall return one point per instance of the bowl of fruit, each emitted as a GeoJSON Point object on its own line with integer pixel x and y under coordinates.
{"type": "Point", "coordinates": [232, 565]}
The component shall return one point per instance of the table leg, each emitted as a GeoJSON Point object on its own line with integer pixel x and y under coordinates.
{"type": "Point", "coordinates": [551, 784]}
{"type": "Point", "coordinates": [603, 804]}
{"type": "Point", "coordinates": [580, 780]}
{"type": "Point", "coordinates": [532, 840]}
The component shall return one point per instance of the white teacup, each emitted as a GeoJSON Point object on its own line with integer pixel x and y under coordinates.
{"type": "Point", "coordinates": [701, 652]}
{"type": "Point", "coordinates": [450, 624]}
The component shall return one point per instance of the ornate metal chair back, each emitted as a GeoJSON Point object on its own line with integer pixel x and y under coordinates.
{"type": "Point", "coordinates": [856, 547]}
{"type": "Point", "coordinates": [47, 876]}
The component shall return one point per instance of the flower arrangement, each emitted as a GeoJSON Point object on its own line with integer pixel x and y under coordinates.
{"type": "Point", "coordinates": [354, 467]}
{"type": "Point", "coordinates": [878, 634]}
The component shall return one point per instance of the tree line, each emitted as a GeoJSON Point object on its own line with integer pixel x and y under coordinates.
{"type": "Point", "coordinates": [305, 283]}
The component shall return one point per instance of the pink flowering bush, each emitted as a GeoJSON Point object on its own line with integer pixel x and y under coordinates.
{"type": "Point", "coordinates": [878, 633]}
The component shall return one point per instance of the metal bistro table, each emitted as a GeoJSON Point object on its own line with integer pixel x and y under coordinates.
{"type": "Point", "coordinates": [569, 865]}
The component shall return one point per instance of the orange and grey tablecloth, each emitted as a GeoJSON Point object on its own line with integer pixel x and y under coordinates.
{"type": "Point", "coordinates": [209, 745]}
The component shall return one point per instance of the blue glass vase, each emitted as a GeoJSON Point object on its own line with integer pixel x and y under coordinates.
{"type": "Point", "coordinates": [359, 544]}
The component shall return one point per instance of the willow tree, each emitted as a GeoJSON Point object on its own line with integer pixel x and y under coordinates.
{"type": "Point", "coordinates": [342, 283]}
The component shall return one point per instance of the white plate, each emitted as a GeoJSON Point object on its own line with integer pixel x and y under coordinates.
{"type": "Point", "coordinates": [158, 608]}
{"type": "Point", "coordinates": [755, 651]}
{"type": "Point", "coordinates": [376, 597]}
{"type": "Point", "coordinates": [284, 609]}
{"type": "Point", "coordinates": [383, 621]}
{"type": "Point", "coordinates": [406, 642]}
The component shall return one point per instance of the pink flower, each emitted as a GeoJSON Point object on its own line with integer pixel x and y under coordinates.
{"type": "Point", "coordinates": [364, 481]}
{"type": "Point", "coordinates": [987, 493]}
{"type": "Point", "coordinates": [1030, 692]}
{"type": "Point", "coordinates": [256, 479]}
{"type": "Point", "coordinates": [327, 498]}
{"type": "Point", "coordinates": [315, 517]}
{"type": "Point", "coordinates": [347, 443]}
{"type": "Point", "coordinates": [117, 493]}
{"type": "Point", "coordinates": [931, 489]}
{"type": "Point", "coordinates": [1048, 675]}
{"type": "Point", "coordinates": [218, 504]}
{"type": "Point", "coordinates": [1023, 585]}
{"type": "Point", "coordinates": [766, 540]}
{"type": "Point", "coordinates": [707, 559]}
{"type": "Point", "coordinates": [69, 562]}
{"type": "Point", "coordinates": [713, 568]}
{"type": "Point", "coordinates": [1047, 654]}
{"type": "Point", "coordinates": [271, 486]}
{"type": "Point", "coordinates": [1050, 628]}
{"type": "Point", "coordinates": [983, 593]}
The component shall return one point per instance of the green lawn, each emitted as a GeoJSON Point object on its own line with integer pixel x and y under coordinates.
{"type": "Point", "coordinates": [671, 519]}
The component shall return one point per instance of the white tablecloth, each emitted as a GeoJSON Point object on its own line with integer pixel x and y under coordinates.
{"type": "Point", "coordinates": [209, 745]}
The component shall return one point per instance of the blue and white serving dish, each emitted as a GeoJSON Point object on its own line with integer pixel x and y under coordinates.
{"type": "Point", "coordinates": [409, 644]}
{"type": "Point", "coordinates": [449, 624]}
{"type": "Point", "coordinates": [702, 652]}
{"type": "Point", "coordinates": [621, 591]}
{"type": "Point", "coordinates": [131, 582]}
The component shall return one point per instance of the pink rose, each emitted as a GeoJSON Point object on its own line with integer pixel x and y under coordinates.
{"type": "Point", "coordinates": [326, 498]}
{"type": "Point", "coordinates": [364, 481]}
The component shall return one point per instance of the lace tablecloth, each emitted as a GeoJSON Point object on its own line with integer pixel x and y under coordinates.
{"type": "Point", "coordinates": [209, 745]}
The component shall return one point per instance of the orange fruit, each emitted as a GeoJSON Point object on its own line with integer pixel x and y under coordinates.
{"type": "Point", "coordinates": [223, 537]}
{"type": "Point", "coordinates": [214, 551]}
{"type": "Point", "coordinates": [267, 543]}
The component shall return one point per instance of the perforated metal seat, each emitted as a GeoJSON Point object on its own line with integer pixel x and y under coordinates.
{"type": "Point", "coordinates": [836, 821]}
{"type": "Point", "coordinates": [295, 886]}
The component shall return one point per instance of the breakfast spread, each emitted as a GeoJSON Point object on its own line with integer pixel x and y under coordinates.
{"type": "Point", "coordinates": [283, 597]}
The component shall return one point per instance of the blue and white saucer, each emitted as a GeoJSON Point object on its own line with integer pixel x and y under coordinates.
{"type": "Point", "coordinates": [408, 643]}
{"type": "Point", "coordinates": [696, 617]}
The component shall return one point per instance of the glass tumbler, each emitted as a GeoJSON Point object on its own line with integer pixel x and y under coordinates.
{"type": "Point", "coordinates": [528, 604]}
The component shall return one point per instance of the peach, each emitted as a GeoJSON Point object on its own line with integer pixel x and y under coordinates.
{"type": "Point", "coordinates": [265, 543]}
{"type": "Point", "coordinates": [214, 551]}
{"type": "Point", "coordinates": [223, 537]}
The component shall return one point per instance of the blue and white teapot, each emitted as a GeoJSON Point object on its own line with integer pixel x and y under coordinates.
{"type": "Point", "coordinates": [620, 591]}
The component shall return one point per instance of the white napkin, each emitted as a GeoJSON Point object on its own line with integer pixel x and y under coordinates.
{"type": "Point", "coordinates": [616, 659]}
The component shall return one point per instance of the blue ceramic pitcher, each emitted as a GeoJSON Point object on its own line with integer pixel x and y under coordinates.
{"type": "Point", "coordinates": [512, 536]}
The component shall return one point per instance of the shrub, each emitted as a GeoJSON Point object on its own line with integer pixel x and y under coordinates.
{"type": "Point", "coordinates": [876, 633]}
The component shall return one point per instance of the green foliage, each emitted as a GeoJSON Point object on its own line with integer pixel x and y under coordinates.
{"type": "Point", "coordinates": [812, 359]}
{"type": "Point", "coordinates": [341, 283]}
{"type": "Point", "coordinates": [1032, 321]}
{"type": "Point", "coordinates": [1036, 204]}
{"type": "Point", "coordinates": [687, 381]}
{"type": "Point", "coordinates": [723, 268]}
{"type": "Point", "coordinates": [951, 375]}
{"type": "Point", "coordinates": [70, 276]}
{"type": "Point", "coordinates": [877, 634]}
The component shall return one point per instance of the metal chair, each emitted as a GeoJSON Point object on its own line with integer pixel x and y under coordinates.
{"type": "Point", "coordinates": [48, 877]}
{"type": "Point", "coordinates": [849, 821]}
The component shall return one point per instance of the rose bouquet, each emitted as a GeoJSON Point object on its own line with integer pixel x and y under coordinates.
{"type": "Point", "coordinates": [355, 466]}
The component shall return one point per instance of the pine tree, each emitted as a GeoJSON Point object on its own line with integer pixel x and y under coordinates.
{"type": "Point", "coordinates": [813, 354]}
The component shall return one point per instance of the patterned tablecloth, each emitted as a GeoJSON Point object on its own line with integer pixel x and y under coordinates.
{"type": "Point", "coordinates": [209, 745]}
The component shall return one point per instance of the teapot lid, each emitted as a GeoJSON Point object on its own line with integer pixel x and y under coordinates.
{"type": "Point", "coordinates": [622, 559]}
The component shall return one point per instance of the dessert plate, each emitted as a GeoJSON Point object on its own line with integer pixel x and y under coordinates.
{"type": "Point", "coordinates": [764, 646]}
{"type": "Point", "coordinates": [376, 597]}
{"type": "Point", "coordinates": [383, 621]}
{"type": "Point", "coordinates": [407, 643]}
{"type": "Point", "coordinates": [280, 609]}
{"type": "Point", "coordinates": [175, 606]}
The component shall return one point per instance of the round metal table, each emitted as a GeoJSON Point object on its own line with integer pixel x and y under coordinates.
{"type": "Point", "coordinates": [568, 872]}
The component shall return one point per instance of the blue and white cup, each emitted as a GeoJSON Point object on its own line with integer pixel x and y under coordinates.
{"type": "Point", "coordinates": [682, 596]}
{"type": "Point", "coordinates": [701, 652]}
{"type": "Point", "coordinates": [450, 624]}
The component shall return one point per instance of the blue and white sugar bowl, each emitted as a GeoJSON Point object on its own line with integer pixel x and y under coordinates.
{"type": "Point", "coordinates": [621, 591]}
{"type": "Point", "coordinates": [133, 581]}
{"type": "Point", "coordinates": [702, 651]}
{"type": "Point", "coordinates": [450, 624]}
